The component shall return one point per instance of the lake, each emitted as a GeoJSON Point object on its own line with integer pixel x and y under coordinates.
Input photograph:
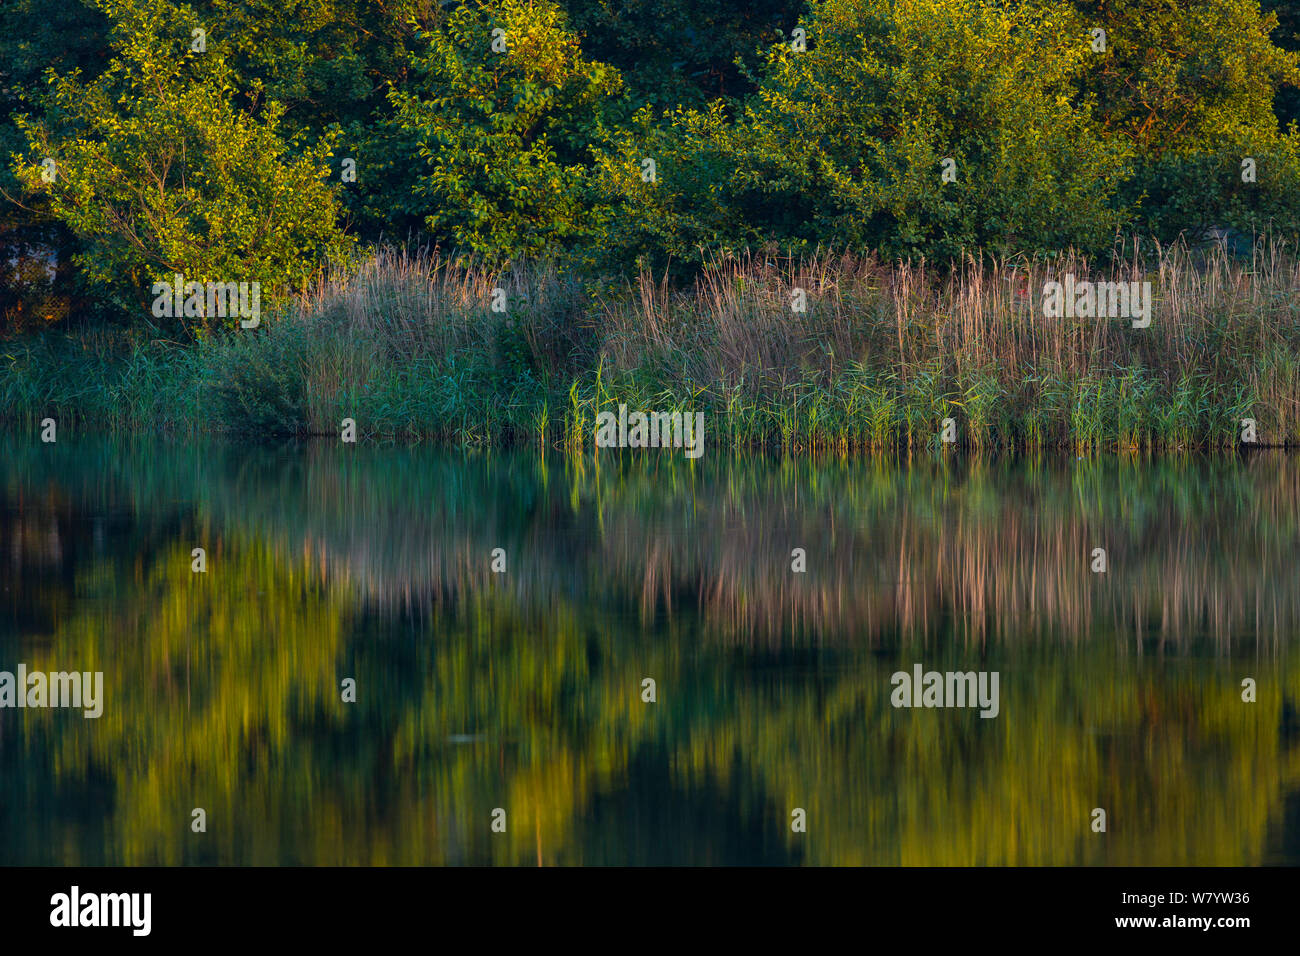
{"type": "Point", "coordinates": [505, 716]}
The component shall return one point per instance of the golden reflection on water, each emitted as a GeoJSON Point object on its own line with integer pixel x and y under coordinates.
{"type": "Point", "coordinates": [523, 690]}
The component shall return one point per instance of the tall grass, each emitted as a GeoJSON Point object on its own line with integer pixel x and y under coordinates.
{"type": "Point", "coordinates": [410, 348]}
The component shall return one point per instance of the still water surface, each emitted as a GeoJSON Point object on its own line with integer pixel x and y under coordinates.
{"type": "Point", "coordinates": [523, 690]}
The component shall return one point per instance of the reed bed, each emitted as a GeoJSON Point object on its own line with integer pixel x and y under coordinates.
{"type": "Point", "coordinates": [410, 346]}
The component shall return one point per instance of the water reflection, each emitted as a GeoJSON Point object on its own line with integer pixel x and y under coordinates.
{"type": "Point", "coordinates": [523, 690]}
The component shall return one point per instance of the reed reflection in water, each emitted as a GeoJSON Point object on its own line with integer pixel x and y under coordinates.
{"type": "Point", "coordinates": [523, 690]}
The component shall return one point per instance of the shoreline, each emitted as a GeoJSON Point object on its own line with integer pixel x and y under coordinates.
{"type": "Point", "coordinates": [867, 357]}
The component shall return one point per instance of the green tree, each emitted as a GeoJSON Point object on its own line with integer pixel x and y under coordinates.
{"type": "Point", "coordinates": [506, 135]}
{"type": "Point", "coordinates": [689, 210]}
{"type": "Point", "coordinates": [1187, 75]}
{"type": "Point", "coordinates": [847, 141]}
{"type": "Point", "coordinates": [329, 63]}
{"type": "Point", "coordinates": [1192, 86]}
{"type": "Point", "coordinates": [159, 171]}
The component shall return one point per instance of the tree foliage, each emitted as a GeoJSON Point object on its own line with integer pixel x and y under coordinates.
{"type": "Point", "coordinates": [505, 112]}
{"type": "Point", "coordinates": [851, 140]}
{"type": "Point", "coordinates": [159, 171]}
{"type": "Point", "coordinates": [541, 148]}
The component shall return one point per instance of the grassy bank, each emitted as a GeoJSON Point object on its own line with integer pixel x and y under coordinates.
{"type": "Point", "coordinates": [410, 348]}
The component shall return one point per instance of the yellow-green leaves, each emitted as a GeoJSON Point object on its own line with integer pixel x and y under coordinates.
{"type": "Point", "coordinates": [504, 115]}
{"type": "Point", "coordinates": [164, 169]}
